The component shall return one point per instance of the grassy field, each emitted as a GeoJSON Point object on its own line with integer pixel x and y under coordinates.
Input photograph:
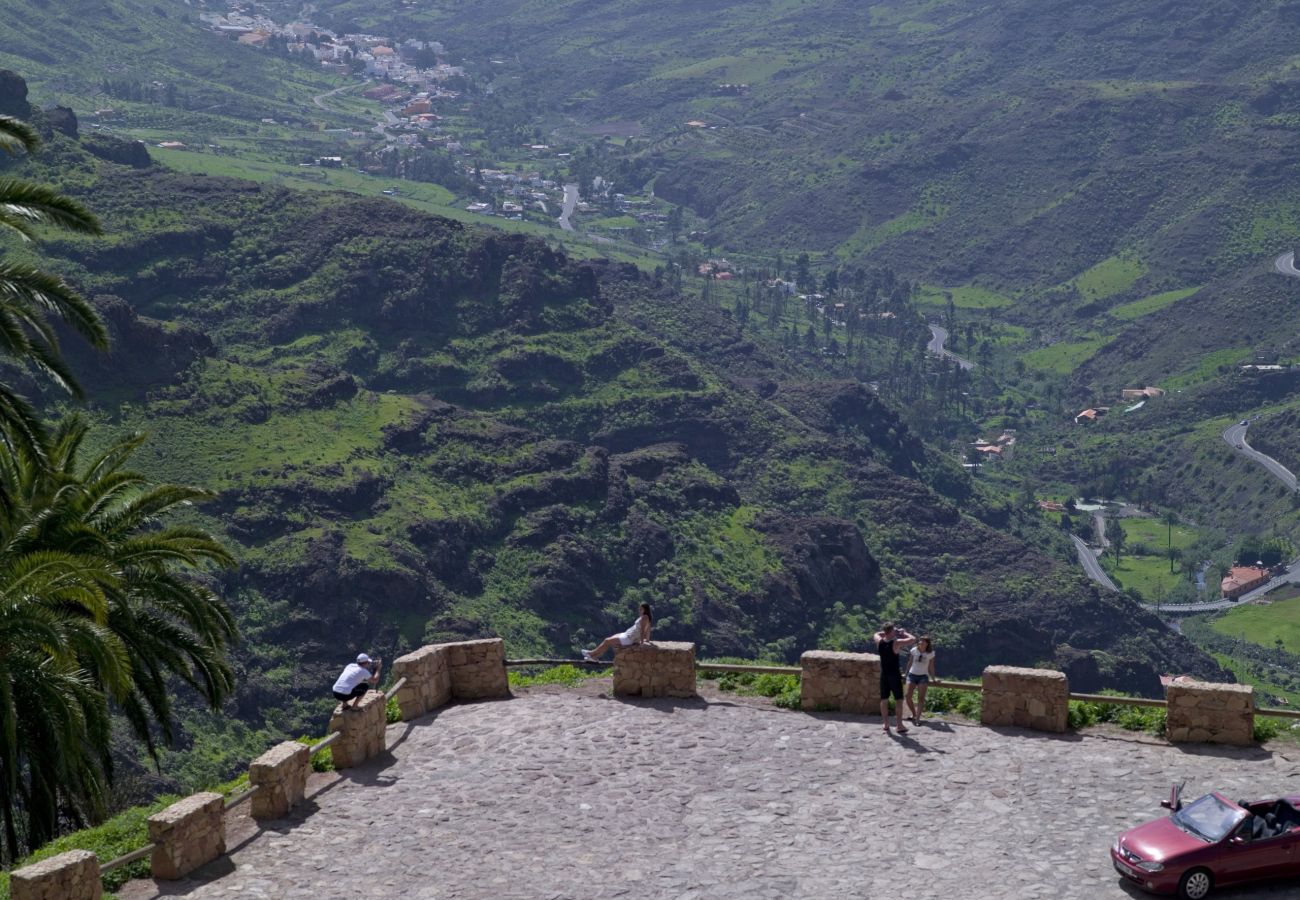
{"type": "Point", "coordinates": [1264, 624]}
{"type": "Point", "coordinates": [1065, 357]}
{"type": "Point", "coordinates": [1147, 305]}
{"type": "Point", "coordinates": [966, 297]}
{"type": "Point", "coordinates": [1111, 276]}
{"type": "Point", "coordinates": [429, 198]}
{"type": "Point", "coordinates": [1149, 573]}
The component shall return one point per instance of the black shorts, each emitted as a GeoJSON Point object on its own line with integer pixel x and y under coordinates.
{"type": "Point", "coordinates": [358, 691]}
{"type": "Point", "coordinates": [891, 682]}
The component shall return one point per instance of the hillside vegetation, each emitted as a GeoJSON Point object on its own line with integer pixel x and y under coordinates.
{"type": "Point", "coordinates": [422, 431]}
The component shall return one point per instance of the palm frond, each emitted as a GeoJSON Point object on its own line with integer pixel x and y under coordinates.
{"type": "Point", "coordinates": [45, 206]}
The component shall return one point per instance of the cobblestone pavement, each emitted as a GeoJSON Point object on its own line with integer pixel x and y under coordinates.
{"type": "Point", "coordinates": [559, 795]}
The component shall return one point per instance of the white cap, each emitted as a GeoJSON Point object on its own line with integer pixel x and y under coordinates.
{"type": "Point", "coordinates": [362, 659]}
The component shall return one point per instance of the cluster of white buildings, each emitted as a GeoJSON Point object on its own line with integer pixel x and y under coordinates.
{"type": "Point", "coordinates": [379, 57]}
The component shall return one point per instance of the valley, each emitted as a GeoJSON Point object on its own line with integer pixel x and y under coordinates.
{"type": "Point", "coordinates": [786, 318]}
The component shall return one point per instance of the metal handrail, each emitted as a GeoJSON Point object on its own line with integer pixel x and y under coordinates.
{"type": "Point", "coordinates": [127, 858]}
{"type": "Point", "coordinates": [232, 802]}
{"type": "Point", "coordinates": [742, 670]}
{"type": "Point", "coordinates": [511, 663]}
{"type": "Point", "coordinates": [325, 742]}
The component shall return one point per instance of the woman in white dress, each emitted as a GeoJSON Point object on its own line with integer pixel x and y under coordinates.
{"type": "Point", "coordinates": [639, 633]}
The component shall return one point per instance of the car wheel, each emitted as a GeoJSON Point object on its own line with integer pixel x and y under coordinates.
{"type": "Point", "coordinates": [1195, 885]}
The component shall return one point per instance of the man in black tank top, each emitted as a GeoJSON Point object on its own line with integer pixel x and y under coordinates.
{"type": "Point", "coordinates": [889, 641]}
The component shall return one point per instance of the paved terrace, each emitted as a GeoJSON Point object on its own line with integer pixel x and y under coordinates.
{"type": "Point", "coordinates": [570, 794]}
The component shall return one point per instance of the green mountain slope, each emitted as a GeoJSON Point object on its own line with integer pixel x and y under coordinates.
{"type": "Point", "coordinates": [1023, 142]}
{"type": "Point", "coordinates": [87, 53]}
{"type": "Point", "coordinates": [420, 430]}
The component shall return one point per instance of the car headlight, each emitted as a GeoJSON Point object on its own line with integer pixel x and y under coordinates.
{"type": "Point", "coordinates": [1151, 866]}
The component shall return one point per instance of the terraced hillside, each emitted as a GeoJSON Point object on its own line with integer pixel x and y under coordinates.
{"type": "Point", "coordinates": [419, 430]}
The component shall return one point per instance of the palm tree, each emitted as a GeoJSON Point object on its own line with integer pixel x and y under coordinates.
{"type": "Point", "coordinates": [96, 605]}
{"type": "Point", "coordinates": [168, 623]}
{"type": "Point", "coordinates": [29, 296]}
{"type": "Point", "coordinates": [53, 716]}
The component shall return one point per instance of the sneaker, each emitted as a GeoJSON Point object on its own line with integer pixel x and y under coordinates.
{"type": "Point", "coordinates": [586, 654]}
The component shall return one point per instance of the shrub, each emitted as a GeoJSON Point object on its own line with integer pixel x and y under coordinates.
{"type": "Point", "coordinates": [783, 690]}
{"type": "Point", "coordinates": [1266, 729]}
{"type": "Point", "coordinates": [567, 675]}
{"type": "Point", "coordinates": [392, 712]}
{"type": "Point", "coordinates": [965, 703]}
{"type": "Point", "coordinates": [322, 760]}
{"type": "Point", "coordinates": [121, 834]}
{"type": "Point", "coordinates": [1150, 719]}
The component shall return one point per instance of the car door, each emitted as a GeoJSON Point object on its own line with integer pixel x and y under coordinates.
{"type": "Point", "coordinates": [1289, 848]}
{"type": "Point", "coordinates": [1242, 859]}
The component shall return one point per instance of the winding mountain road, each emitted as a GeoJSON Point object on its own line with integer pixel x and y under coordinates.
{"type": "Point", "coordinates": [570, 203]}
{"type": "Point", "coordinates": [1235, 436]}
{"type": "Point", "coordinates": [938, 337]}
{"type": "Point", "coordinates": [1088, 559]}
{"type": "Point", "coordinates": [319, 99]}
{"type": "Point", "coordinates": [1285, 265]}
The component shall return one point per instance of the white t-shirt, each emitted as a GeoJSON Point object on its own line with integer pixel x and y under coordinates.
{"type": "Point", "coordinates": [352, 676]}
{"type": "Point", "coordinates": [920, 661]}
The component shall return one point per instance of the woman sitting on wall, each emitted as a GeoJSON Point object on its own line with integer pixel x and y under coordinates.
{"type": "Point", "coordinates": [639, 633]}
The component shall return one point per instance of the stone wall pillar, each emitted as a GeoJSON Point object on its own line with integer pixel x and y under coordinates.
{"type": "Point", "coordinates": [658, 669]}
{"type": "Point", "coordinates": [428, 681]}
{"type": "Point", "coordinates": [189, 833]}
{"type": "Point", "coordinates": [280, 775]}
{"type": "Point", "coordinates": [362, 730]}
{"type": "Point", "coordinates": [1200, 712]}
{"type": "Point", "coordinates": [1029, 698]}
{"type": "Point", "coordinates": [849, 682]}
{"type": "Point", "coordinates": [477, 669]}
{"type": "Point", "coordinates": [69, 876]}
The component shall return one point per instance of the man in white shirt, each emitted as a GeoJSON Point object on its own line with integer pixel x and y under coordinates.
{"type": "Point", "coordinates": [356, 679]}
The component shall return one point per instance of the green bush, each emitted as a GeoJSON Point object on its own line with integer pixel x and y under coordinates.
{"type": "Point", "coordinates": [121, 834]}
{"type": "Point", "coordinates": [1150, 719]}
{"type": "Point", "coordinates": [567, 675]}
{"type": "Point", "coordinates": [392, 711]}
{"type": "Point", "coordinates": [322, 760]}
{"type": "Point", "coordinates": [1266, 729]}
{"type": "Point", "coordinates": [964, 703]}
{"type": "Point", "coordinates": [783, 690]}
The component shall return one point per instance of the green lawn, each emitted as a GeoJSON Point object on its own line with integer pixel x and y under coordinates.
{"type": "Point", "coordinates": [1109, 277]}
{"type": "Point", "coordinates": [967, 297]}
{"type": "Point", "coordinates": [1065, 357]}
{"type": "Point", "coordinates": [1147, 305]}
{"type": "Point", "coordinates": [1264, 625]}
{"type": "Point", "coordinates": [1155, 534]}
{"type": "Point", "coordinates": [1148, 574]}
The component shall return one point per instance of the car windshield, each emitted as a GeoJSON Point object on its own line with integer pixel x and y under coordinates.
{"type": "Point", "coordinates": [1209, 818]}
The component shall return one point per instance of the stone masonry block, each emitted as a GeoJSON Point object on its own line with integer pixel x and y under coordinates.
{"type": "Point", "coordinates": [428, 681]}
{"type": "Point", "coordinates": [849, 682]}
{"type": "Point", "coordinates": [477, 669]}
{"type": "Point", "coordinates": [655, 669]}
{"type": "Point", "coordinates": [281, 778]}
{"type": "Point", "coordinates": [1028, 698]}
{"type": "Point", "coordinates": [362, 730]}
{"type": "Point", "coordinates": [69, 876]}
{"type": "Point", "coordinates": [189, 833]}
{"type": "Point", "coordinates": [1200, 712]}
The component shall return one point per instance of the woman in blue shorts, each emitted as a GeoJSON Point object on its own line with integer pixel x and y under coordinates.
{"type": "Point", "coordinates": [920, 670]}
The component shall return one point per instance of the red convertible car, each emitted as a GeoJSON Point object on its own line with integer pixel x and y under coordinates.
{"type": "Point", "coordinates": [1211, 842]}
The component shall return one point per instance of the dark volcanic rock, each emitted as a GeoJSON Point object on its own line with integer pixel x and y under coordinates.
{"type": "Point", "coordinates": [143, 352]}
{"type": "Point", "coordinates": [13, 95]}
{"type": "Point", "coordinates": [112, 149]}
